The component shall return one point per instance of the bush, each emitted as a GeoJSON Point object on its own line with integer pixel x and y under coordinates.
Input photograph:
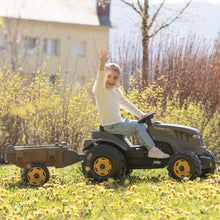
{"type": "Point", "coordinates": [44, 113]}
{"type": "Point", "coordinates": [189, 65]}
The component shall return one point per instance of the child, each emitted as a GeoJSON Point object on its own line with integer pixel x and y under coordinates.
{"type": "Point", "coordinates": [109, 99]}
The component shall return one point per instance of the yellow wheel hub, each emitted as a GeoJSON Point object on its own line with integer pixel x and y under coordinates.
{"type": "Point", "coordinates": [102, 166]}
{"type": "Point", "coordinates": [36, 176]}
{"type": "Point", "coordinates": [182, 168]}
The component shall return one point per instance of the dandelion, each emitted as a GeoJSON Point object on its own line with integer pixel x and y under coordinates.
{"type": "Point", "coordinates": [64, 201]}
{"type": "Point", "coordinates": [30, 217]}
{"type": "Point", "coordinates": [91, 201]}
{"type": "Point", "coordinates": [111, 205]}
{"type": "Point", "coordinates": [132, 216]}
{"type": "Point", "coordinates": [217, 207]}
{"type": "Point", "coordinates": [186, 213]}
{"type": "Point", "coordinates": [67, 211]}
{"type": "Point", "coordinates": [138, 201]}
{"type": "Point", "coordinates": [127, 182]}
{"type": "Point", "coordinates": [102, 190]}
{"type": "Point", "coordinates": [133, 187]}
{"type": "Point", "coordinates": [170, 197]}
{"type": "Point", "coordinates": [204, 209]}
{"type": "Point", "coordinates": [173, 192]}
{"type": "Point", "coordinates": [122, 203]}
{"type": "Point", "coordinates": [73, 193]}
{"type": "Point", "coordinates": [181, 195]}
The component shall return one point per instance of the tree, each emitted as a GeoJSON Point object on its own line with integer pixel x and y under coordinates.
{"type": "Point", "coordinates": [149, 29]}
{"type": "Point", "coordinates": [217, 43]}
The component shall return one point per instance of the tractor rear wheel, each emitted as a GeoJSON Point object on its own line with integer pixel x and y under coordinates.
{"type": "Point", "coordinates": [103, 162]}
{"type": "Point", "coordinates": [36, 174]}
{"type": "Point", "coordinates": [184, 164]}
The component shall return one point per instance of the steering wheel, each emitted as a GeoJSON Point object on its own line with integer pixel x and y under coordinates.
{"type": "Point", "coordinates": [147, 118]}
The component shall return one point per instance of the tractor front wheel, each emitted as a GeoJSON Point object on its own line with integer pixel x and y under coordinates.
{"type": "Point", "coordinates": [35, 174]}
{"type": "Point", "coordinates": [211, 169]}
{"type": "Point", "coordinates": [184, 164]}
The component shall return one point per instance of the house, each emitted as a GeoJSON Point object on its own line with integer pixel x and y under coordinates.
{"type": "Point", "coordinates": [53, 36]}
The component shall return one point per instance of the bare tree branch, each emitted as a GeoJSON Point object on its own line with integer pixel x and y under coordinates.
{"type": "Point", "coordinates": [169, 23]}
{"type": "Point", "coordinates": [155, 15]}
{"type": "Point", "coordinates": [133, 6]}
{"type": "Point", "coordinates": [140, 6]}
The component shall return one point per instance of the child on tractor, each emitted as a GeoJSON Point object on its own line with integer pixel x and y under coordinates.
{"type": "Point", "coordinates": [109, 100]}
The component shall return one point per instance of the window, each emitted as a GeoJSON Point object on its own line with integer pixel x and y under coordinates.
{"type": "Point", "coordinates": [30, 46]}
{"type": "Point", "coordinates": [2, 44]}
{"type": "Point", "coordinates": [51, 47]}
{"type": "Point", "coordinates": [78, 50]}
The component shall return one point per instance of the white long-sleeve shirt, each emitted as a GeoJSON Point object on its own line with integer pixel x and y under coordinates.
{"type": "Point", "coordinates": [109, 102]}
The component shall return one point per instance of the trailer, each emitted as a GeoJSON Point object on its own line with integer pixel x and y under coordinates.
{"type": "Point", "coordinates": [34, 160]}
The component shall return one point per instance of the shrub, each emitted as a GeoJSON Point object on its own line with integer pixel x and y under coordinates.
{"type": "Point", "coordinates": [44, 113]}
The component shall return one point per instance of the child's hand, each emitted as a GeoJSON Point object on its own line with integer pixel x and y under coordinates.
{"type": "Point", "coordinates": [146, 114]}
{"type": "Point", "coordinates": [103, 56]}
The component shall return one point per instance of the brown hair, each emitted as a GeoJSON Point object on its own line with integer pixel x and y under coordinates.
{"type": "Point", "coordinates": [113, 66]}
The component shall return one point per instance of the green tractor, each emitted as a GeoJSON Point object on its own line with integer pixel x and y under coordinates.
{"type": "Point", "coordinates": [113, 156]}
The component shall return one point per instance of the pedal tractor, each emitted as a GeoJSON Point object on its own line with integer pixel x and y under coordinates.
{"type": "Point", "coordinates": [113, 156]}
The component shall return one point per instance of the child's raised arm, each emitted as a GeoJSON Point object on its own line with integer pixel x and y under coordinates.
{"type": "Point", "coordinates": [103, 56]}
{"type": "Point", "coordinates": [99, 83]}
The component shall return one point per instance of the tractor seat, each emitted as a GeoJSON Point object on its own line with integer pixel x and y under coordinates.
{"type": "Point", "coordinates": [117, 135]}
{"type": "Point", "coordinates": [120, 139]}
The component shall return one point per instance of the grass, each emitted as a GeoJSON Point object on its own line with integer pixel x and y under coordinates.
{"type": "Point", "coordinates": [145, 194]}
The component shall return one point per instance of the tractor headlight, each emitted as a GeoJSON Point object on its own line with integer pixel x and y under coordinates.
{"type": "Point", "coordinates": [198, 138]}
{"type": "Point", "coordinates": [195, 136]}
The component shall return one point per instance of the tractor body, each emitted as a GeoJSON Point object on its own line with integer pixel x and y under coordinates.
{"type": "Point", "coordinates": [188, 156]}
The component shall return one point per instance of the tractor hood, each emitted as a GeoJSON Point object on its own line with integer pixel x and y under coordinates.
{"type": "Point", "coordinates": [175, 128]}
{"type": "Point", "coordinates": [178, 135]}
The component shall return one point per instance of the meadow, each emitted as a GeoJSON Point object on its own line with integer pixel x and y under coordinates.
{"type": "Point", "coordinates": [145, 194]}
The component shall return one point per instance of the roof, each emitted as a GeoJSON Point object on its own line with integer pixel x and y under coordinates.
{"type": "Point", "coordinates": [81, 12]}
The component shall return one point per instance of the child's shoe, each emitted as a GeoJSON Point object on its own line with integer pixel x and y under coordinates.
{"type": "Point", "coordinates": [155, 152]}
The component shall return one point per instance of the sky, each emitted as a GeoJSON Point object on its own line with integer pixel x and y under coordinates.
{"type": "Point", "coordinates": [202, 17]}
{"type": "Point", "coordinates": [175, 1]}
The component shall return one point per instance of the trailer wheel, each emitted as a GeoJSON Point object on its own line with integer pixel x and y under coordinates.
{"type": "Point", "coordinates": [184, 164]}
{"type": "Point", "coordinates": [36, 174]}
{"type": "Point", "coordinates": [103, 162]}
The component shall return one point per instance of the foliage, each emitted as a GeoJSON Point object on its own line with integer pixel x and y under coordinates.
{"type": "Point", "coordinates": [44, 113]}
{"type": "Point", "coordinates": [187, 67]}
{"type": "Point", "coordinates": [145, 194]}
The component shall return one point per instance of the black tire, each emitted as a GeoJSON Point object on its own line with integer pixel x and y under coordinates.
{"type": "Point", "coordinates": [128, 171]}
{"type": "Point", "coordinates": [184, 164]}
{"type": "Point", "coordinates": [212, 168]}
{"type": "Point", "coordinates": [103, 162]}
{"type": "Point", "coordinates": [36, 174]}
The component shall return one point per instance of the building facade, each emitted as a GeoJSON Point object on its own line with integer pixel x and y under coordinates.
{"type": "Point", "coordinates": [53, 36]}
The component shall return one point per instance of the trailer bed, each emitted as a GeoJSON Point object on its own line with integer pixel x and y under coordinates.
{"type": "Point", "coordinates": [57, 155]}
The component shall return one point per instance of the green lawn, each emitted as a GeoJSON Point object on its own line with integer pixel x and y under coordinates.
{"type": "Point", "coordinates": [145, 194]}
